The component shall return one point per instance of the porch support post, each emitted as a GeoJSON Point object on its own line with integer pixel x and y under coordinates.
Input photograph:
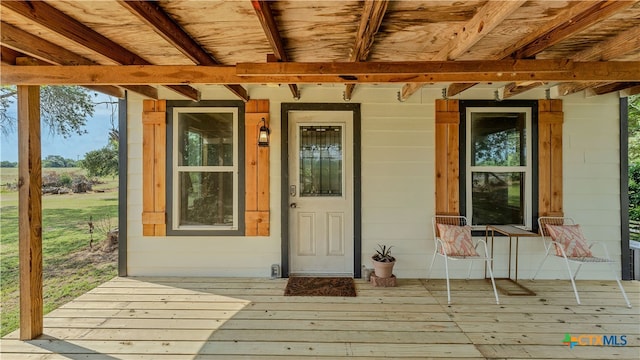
{"type": "Point", "coordinates": [30, 212]}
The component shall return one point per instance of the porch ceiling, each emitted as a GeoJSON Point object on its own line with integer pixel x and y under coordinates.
{"type": "Point", "coordinates": [211, 33]}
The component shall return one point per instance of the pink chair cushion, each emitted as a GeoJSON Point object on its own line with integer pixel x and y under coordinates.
{"type": "Point", "coordinates": [572, 240]}
{"type": "Point", "coordinates": [457, 240]}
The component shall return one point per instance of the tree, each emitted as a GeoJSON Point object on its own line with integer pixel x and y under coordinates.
{"type": "Point", "coordinates": [634, 157]}
{"type": "Point", "coordinates": [634, 128]}
{"type": "Point", "coordinates": [102, 162]}
{"type": "Point", "coordinates": [64, 110]}
{"type": "Point", "coordinates": [57, 161]}
{"type": "Point", "coordinates": [8, 164]}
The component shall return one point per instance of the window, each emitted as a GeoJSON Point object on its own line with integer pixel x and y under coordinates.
{"type": "Point", "coordinates": [205, 169]}
{"type": "Point", "coordinates": [321, 160]}
{"type": "Point", "coordinates": [499, 165]}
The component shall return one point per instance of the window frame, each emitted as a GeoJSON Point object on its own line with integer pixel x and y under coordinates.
{"type": "Point", "coordinates": [530, 107]}
{"type": "Point", "coordinates": [174, 108]}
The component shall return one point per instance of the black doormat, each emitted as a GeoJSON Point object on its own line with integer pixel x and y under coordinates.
{"type": "Point", "coordinates": [320, 286]}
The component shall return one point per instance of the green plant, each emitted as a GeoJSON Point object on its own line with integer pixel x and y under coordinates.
{"type": "Point", "coordinates": [383, 254]}
{"type": "Point", "coordinates": [65, 180]}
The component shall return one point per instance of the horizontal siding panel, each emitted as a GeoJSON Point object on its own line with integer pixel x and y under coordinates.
{"type": "Point", "coordinates": [377, 184]}
{"type": "Point", "coordinates": [397, 216]}
{"type": "Point", "coordinates": [423, 154]}
{"type": "Point", "coordinates": [588, 170]}
{"type": "Point", "coordinates": [396, 199]}
{"type": "Point", "coordinates": [391, 230]}
{"type": "Point", "coordinates": [404, 168]}
{"type": "Point", "coordinates": [398, 138]}
{"type": "Point", "coordinates": [589, 185]}
{"type": "Point", "coordinates": [394, 122]}
{"type": "Point", "coordinates": [602, 156]}
{"type": "Point", "coordinates": [207, 257]}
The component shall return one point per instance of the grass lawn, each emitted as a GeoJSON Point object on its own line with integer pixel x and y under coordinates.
{"type": "Point", "coordinates": [70, 267]}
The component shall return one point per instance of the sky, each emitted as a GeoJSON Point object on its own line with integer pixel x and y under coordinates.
{"type": "Point", "coordinates": [73, 147]}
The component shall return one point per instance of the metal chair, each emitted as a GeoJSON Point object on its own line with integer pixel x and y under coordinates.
{"type": "Point", "coordinates": [553, 247]}
{"type": "Point", "coordinates": [440, 250]}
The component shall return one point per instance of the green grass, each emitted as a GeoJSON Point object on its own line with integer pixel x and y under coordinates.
{"type": "Point", "coordinates": [70, 268]}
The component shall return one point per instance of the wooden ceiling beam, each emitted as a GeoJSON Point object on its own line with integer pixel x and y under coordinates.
{"type": "Point", "coordinates": [10, 56]}
{"type": "Point", "coordinates": [55, 20]}
{"type": "Point", "coordinates": [30, 45]}
{"type": "Point", "coordinates": [343, 73]}
{"type": "Point", "coordinates": [612, 87]}
{"type": "Point", "coordinates": [151, 13]}
{"type": "Point", "coordinates": [270, 28]}
{"type": "Point", "coordinates": [564, 25]}
{"type": "Point", "coordinates": [370, 21]}
{"type": "Point", "coordinates": [483, 22]}
{"type": "Point", "coordinates": [502, 68]}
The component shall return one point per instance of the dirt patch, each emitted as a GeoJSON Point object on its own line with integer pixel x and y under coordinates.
{"type": "Point", "coordinates": [98, 256]}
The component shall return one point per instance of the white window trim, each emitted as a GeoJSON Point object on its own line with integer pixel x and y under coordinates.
{"type": "Point", "coordinates": [528, 169]}
{"type": "Point", "coordinates": [177, 169]}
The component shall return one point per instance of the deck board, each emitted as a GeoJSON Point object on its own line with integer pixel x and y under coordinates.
{"type": "Point", "coordinates": [227, 318]}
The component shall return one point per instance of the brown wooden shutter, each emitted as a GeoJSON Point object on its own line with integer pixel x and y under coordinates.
{"type": "Point", "coordinates": [447, 158]}
{"type": "Point", "coordinates": [256, 170]}
{"type": "Point", "coordinates": [154, 133]}
{"type": "Point", "coordinates": [550, 119]}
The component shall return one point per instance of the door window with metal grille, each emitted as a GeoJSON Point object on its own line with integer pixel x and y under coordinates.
{"type": "Point", "coordinates": [321, 160]}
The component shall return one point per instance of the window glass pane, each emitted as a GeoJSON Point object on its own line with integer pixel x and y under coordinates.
{"type": "Point", "coordinates": [498, 198]}
{"type": "Point", "coordinates": [321, 161]}
{"type": "Point", "coordinates": [205, 139]}
{"type": "Point", "coordinates": [498, 139]}
{"type": "Point", "coordinates": [206, 198]}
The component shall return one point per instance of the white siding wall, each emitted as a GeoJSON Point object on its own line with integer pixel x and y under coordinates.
{"type": "Point", "coordinates": [397, 186]}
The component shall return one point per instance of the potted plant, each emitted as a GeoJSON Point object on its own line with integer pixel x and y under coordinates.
{"type": "Point", "coordinates": [383, 261]}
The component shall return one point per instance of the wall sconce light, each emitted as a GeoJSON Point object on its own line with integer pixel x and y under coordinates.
{"type": "Point", "coordinates": [263, 134]}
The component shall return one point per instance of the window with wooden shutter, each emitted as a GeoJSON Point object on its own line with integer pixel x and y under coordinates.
{"type": "Point", "coordinates": [451, 143]}
{"type": "Point", "coordinates": [204, 173]}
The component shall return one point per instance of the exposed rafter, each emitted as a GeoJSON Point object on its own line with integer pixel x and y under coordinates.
{"type": "Point", "coordinates": [485, 20]}
{"type": "Point", "coordinates": [270, 27]}
{"type": "Point", "coordinates": [370, 21]}
{"type": "Point", "coordinates": [563, 26]}
{"type": "Point", "coordinates": [624, 43]}
{"type": "Point", "coordinates": [46, 15]}
{"type": "Point", "coordinates": [322, 72]}
{"type": "Point", "coordinates": [568, 88]}
{"type": "Point", "coordinates": [596, 13]}
{"type": "Point", "coordinates": [30, 45]}
{"type": "Point", "coordinates": [630, 91]}
{"type": "Point", "coordinates": [513, 89]}
{"type": "Point", "coordinates": [164, 25]}
{"type": "Point", "coordinates": [609, 88]}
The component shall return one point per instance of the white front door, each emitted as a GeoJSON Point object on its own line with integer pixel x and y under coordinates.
{"type": "Point", "coordinates": [321, 192]}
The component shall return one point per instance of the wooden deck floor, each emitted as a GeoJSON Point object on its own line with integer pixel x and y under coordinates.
{"type": "Point", "coordinates": [223, 318]}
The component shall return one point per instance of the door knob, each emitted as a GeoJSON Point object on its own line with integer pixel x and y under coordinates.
{"type": "Point", "coordinates": [293, 205]}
